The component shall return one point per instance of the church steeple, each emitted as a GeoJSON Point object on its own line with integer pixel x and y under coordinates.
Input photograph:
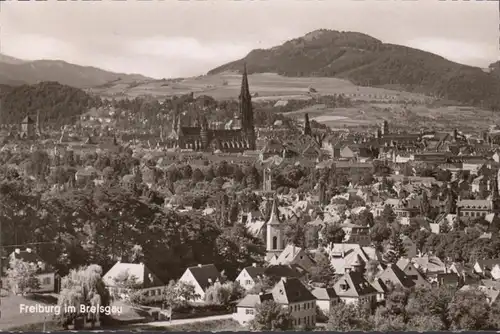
{"type": "Point", "coordinates": [246, 111]}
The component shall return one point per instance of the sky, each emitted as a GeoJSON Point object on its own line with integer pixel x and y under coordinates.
{"type": "Point", "coordinates": [176, 38]}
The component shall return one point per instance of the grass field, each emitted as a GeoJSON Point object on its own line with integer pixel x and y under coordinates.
{"type": "Point", "coordinates": [12, 317]}
{"type": "Point", "coordinates": [266, 85]}
{"type": "Point", "coordinates": [373, 104]}
{"type": "Point", "coordinates": [205, 326]}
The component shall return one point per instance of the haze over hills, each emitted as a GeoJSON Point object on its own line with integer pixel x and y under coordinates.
{"type": "Point", "coordinates": [367, 61]}
{"type": "Point", "coordinates": [16, 72]}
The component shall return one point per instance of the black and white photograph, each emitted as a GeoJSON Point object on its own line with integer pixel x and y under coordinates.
{"type": "Point", "coordinates": [253, 165]}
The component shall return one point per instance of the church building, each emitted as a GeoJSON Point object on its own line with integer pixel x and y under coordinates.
{"type": "Point", "coordinates": [203, 137]}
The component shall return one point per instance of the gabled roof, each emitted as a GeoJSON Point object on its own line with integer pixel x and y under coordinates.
{"type": "Point", "coordinates": [290, 254]}
{"type": "Point", "coordinates": [205, 275]}
{"type": "Point", "coordinates": [356, 285]}
{"type": "Point", "coordinates": [396, 276]}
{"type": "Point", "coordinates": [252, 300]}
{"type": "Point", "coordinates": [255, 271]}
{"type": "Point", "coordinates": [292, 271]}
{"type": "Point", "coordinates": [488, 264]}
{"type": "Point", "coordinates": [138, 270]}
{"type": "Point", "coordinates": [291, 290]}
{"type": "Point", "coordinates": [324, 293]}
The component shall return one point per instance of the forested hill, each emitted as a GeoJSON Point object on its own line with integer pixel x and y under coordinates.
{"type": "Point", "coordinates": [367, 61]}
{"type": "Point", "coordinates": [15, 71]}
{"type": "Point", "coordinates": [58, 104]}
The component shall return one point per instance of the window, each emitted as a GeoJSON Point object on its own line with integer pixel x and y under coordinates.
{"type": "Point", "coordinates": [248, 282]}
{"type": "Point", "coordinates": [298, 321]}
{"type": "Point", "coordinates": [46, 281]}
{"type": "Point", "coordinates": [249, 311]}
{"type": "Point", "coordinates": [275, 242]}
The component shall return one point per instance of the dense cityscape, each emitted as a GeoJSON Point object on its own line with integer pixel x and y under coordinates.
{"type": "Point", "coordinates": [333, 183]}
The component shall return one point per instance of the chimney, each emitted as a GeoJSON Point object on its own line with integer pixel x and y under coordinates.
{"type": "Point", "coordinates": [254, 264]}
{"type": "Point", "coordinates": [261, 293]}
{"type": "Point", "coordinates": [28, 250]}
{"type": "Point", "coordinates": [17, 250]}
{"type": "Point", "coordinates": [199, 265]}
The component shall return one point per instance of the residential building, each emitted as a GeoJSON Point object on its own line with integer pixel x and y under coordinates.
{"type": "Point", "coordinates": [353, 288]}
{"type": "Point", "coordinates": [201, 277]}
{"type": "Point", "coordinates": [131, 272]}
{"type": "Point", "coordinates": [356, 234]}
{"type": "Point", "coordinates": [326, 298]}
{"type": "Point", "coordinates": [48, 278]}
{"type": "Point", "coordinates": [488, 268]}
{"type": "Point", "coordinates": [412, 271]}
{"type": "Point", "coordinates": [293, 255]}
{"type": "Point", "coordinates": [291, 294]}
{"type": "Point", "coordinates": [393, 276]}
{"type": "Point", "coordinates": [249, 276]}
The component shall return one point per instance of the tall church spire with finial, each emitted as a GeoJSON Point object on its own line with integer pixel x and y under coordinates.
{"type": "Point", "coordinates": [246, 110]}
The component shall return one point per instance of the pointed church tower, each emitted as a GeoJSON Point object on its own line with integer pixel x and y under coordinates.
{"type": "Point", "coordinates": [274, 235]}
{"type": "Point", "coordinates": [246, 110]}
{"type": "Point", "coordinates": [307, 125]}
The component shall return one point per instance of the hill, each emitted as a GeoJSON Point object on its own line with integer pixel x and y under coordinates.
{"type": "Point", "coordinates": [58, 104]}
{"type": "Point", "coordinates": [367, 61]}
{"type": "Point", "coordinates": [16, 72]}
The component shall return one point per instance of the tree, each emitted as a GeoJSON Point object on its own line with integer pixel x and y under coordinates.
{"type": "Point", "coordinates": [425, 323]}
{"type": "Point", "coordinates": [170, 294]}
{"type": "Point", "coordinates": [425, 205]}
{"type": "Point", "coordinates": [322, 271]}
{"type": "Point", "coordinates": [186, 291]}
{"type": "Point", "coordinates": [430, 302]}
{"type": "Point", "coordinates": [271, 316]}
{"type": "Point", "coordinates": [223, 294]}
{"type": "Point", "coordinates": [82, 287]}
{"type": "Point", "coordinates": [332, 234]}
{"type": "Point", "coordinates": [396, 249]}
{"type": "Point", "coordinates": [469, 310]}
{"type": "Point", "coordinates": [22, 276]}
{"type": "Point", "coordinates": [347, 317]}
{"type": "Point", "coordinates": [388, 216]}
{"type": "Point", "coordinates": [384, 321]}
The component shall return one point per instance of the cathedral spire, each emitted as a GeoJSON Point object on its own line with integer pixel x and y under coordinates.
{"type": "Point", "coordinates": [246, 111]}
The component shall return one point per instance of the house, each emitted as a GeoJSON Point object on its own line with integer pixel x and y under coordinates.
{"type": "Point", "coordinates": [343, 256]}
{"type": "Point", "coordinates": [465, 273]}
{"type": "Point", "coordinates": [249, 276]}
{"type": "Point", "coordinates": [490, 293]}
{"type": "Point", "coordinates": [296, 297]}
{"type": "Point", "coordinates": [139, 272]}
{"type": "Point", "coordinates": [474, 208]}
{"type": "Point", "coordinates": [487, 268]}
{"type": "Point", "coordinates": [245, 309]}
{"type": "Point", "coordinates": [201, 277]}
{"type": "Point", "coordinates": [479, 184]}
{"type": "Point", "coordinates": [411, 271]}
{"type": "Point", "coordinates": [353, 288]}
{"type": "Point", "coordinates": [326, 298]}
{"type": "Point", "coordinates": [48, 278]}
{"type": "Point", "coordinates": [293, 255]}
{"type": "Point", "coordinates": [356, 234]}
{"type": "Point", "coordinates": [285, 270]}
{"type": "Point", "coordinates": [291, 294]}
{"type": "Point", "coordinates": [392, 275]}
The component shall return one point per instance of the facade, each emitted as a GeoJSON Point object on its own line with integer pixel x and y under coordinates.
{"type": "Point", "coordinates": [28, 128]}
{"type": "Point", "coordinates": [275, 242]}
{"type": "Point", "coordinates": [203, 137]}
{"type": "Point", "coordinates": [48, 278]}
{"type": "Point", "coordinates": [291, 294]}
{"type": "Point", "coordinates": [201, 277]}
{"type": "Point", "coordinates": [326, 298]}
{"type": "Point", "coordinates": [138, 271]}
{"type": "Point", "coordinates": [249, 275]}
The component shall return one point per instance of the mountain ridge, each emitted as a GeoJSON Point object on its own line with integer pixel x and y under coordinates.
{"type": "Point", "coordinates": [16, 72]}
{"type": "Point", "coordinates": [367, 61]}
